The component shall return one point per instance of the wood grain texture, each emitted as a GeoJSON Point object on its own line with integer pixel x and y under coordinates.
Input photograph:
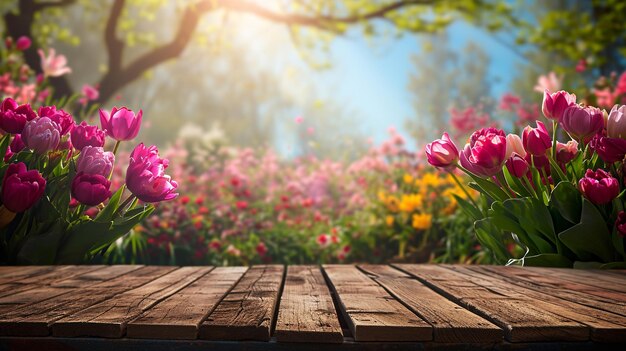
{"type": "Point", "coordinates": [95, 287]}
{"type": "Point", "coordinates": [32, 289]}
{"type": "Point", "coordinates": [371, 312]}
{"type": "Point", "coordinates": [42, 277]}
{"type": "Point", "coordinates": [522, 318]}
{"type": "Point", "coordinates": [180, 315]}
{"type": "Point", "coordinates": [605, 326]}
{"type": "Point", "coordinates": [600, 279]}
{"type": "Point", "coordinates": [307, 312]}
{"type": "Point", "coordinates": [247, 312]}
{"type": "Point", "coordinates": [451, 322]}
{"type": "Point", "coordinates": [109, 318]}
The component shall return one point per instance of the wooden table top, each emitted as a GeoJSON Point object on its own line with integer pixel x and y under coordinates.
{"type": "Point", "coordinates": [430, 304]}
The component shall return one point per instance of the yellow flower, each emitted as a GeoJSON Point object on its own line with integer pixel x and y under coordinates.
{"type": "Point", "coordinates": [407, 178]}
{"type": "Point", "coordinates": [422, 221]}
{"type": "Point", "coordinates": [392, 203]}
{"type": "Point", "coordinates": [389, 220]}
{"type": "Point", "coordinates": [432, 180]}
{"type": "Point", "coordinates": [410, 202]}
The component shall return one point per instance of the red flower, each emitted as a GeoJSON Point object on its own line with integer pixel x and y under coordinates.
{"type": "Point", "coordinates": [261, 249]}
{"type": "Point", "coordinates": [184, 200]}
{"type": "Point", "coordinates": [242, 205]}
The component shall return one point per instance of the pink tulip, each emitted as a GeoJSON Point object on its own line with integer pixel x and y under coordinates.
{"type": "Point", "coordinates": [554, 105]}
{"type": "Point", "coordinates": [485, 153]}
{"type": "Point", "coordinates": [536, 140]}
{"type": "Point", "coordinates": [517, 165]}
{"type": "Point", "coordinates": [22, 43]}
{"type": "Point", "coordinates": [83, 135]}
{"type": "Point", "coordinates": [94, 160]}
{"type": "Point", "coordinates": [548, 82]}
{"type": "Point", "coordinates": [91, 189]}
{"type": "Point", "coordinates": [60, 117]}
{"type": "Point", "coordinates": [145, 176]}
{"type": "Point", "coordinates": [582, 123]}
{"type": "Point", "coordinates": [13, 118]}
{"type": "Point", "coordinates": [16, 146]}
{"type": "Point", "coordinates": [121, 124]}
{"type": "Point", "coordinates": [442, 153]}
{"type": "Point", "coordinates": [514, 144]}
{"type": "Point", "coordinates": [599, 187]}
{"type": "Point", "coordinates": [89, 93]}
{"type": "Point", "coordinates": [609, 149]}
{"type": "Point", "coordinates": [21, 188]}
{"type": "Point", "coordinates": [41, 135]}
{"type": "Point", "coordinates": [616, 123]}
{"type": "Point", "coordinates": [53, 65]}
{"type": "Point", "coordinates": [566, 152]}
{"type": "Point", "coordinates": [620, 223]}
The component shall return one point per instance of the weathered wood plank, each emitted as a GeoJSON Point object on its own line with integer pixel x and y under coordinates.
{"type": "Point", "coordinates": [43, 277]}
{"type": "Point", "coordinates": [34, 319]}
{"type": "Point", "coordinates": [38, 288]}
{"type": "Point", "coordinates": [451, 322]}
{"type": "Point", "coordinates": [596, 278]}
{"type": "Point", "coordinates": [371, 313]}
{"type": "Point", "coordinates": [521, 317]}
{"type": "Point", "coordinates": [180, 315]}
{"type": "Point", "coordinates": [606, 300]}
{"type": "Point", "coordinates": [247, 312]}
{"type": "Point", "coordinates": [109, 318]}
{"type": "Point", "coordinates": [605, 326]}
{"type": "Point", "coordinates": [307, 313]}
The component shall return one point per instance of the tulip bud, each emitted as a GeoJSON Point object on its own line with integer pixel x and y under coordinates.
{"type": "Point", "coordinates": [599, 187]}
{"type": "Point", "coordinates": [13, 118]}
{"type": "Point", "coordinates": [121, 124]}
{"type": "Point", "coordinates": [514, 144]}
{"type": "Point", "coordinates": [484, 155]}
{"type": "Point", "coordinates": [21, 188]}
{"type": "Point", "coordinates": [90, 189]}
{"type": "Point", "coordinates": [616, 122]}
{"type": "Point", "coordinates": [517, 165]}
{"type": "Point", "coordinates": [94, 160]}
{"type": "Point", "coordinates": [22, 43]}
{"type": "Point", "coordinates": [610, 150]}
{"type": "Point", "coordinates": [41, 135]}
{"type": "Point", "coordinates": [536, 140]}
{"type": "Point", "coordinates": [620, 223]}
{"type": "Point", "coordinates": [64, 120]}
{"type": "Point", "coordinates": [582, 123]}
{"type": "Point", "coordinates": [566, 152]}
{"type": "Point", "coordinates": [442, 153]}
{"type": "Point", "coordinates": [85, 135]}
{"type": "Point", "coordinates": [554, 105]}
{"type": "Point", "coordinates": [145, 176]}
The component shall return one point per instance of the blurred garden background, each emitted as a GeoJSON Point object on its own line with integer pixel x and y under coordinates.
{"type": "Point", "coordinates": [295, 129]}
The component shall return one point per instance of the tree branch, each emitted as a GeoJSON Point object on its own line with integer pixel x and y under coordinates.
{"type": "Point", "coordinates": [114, 45]}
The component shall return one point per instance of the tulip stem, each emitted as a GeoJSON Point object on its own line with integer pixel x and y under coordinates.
{"type": "Point", "coordinates": [555, 125]}
{"type": "Point", "coordinates": [463, 188]}
{"type": "Point", "coordinates": [128, 200]}
{"type": "Point", "coordinates": [117, 145]}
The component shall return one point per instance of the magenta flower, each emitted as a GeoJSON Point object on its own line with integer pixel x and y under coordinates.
{"type": "Point", "coordinates": [554, 105]}
{"type": "Point", "coordinates": [14, 117]}
{"type": "Point", "coordinates": [53, 65]}
{"type": "Point", "coordinates": [517, 165]}
{"type": "Point", "coordinates": [16, 146]}
{"type": "Point", "coordinates": [484, 155]}
{"type": "Point", "coordinates": [83, 135]}
{"type": "Point", "coordinates": [121, 124]}
{"type": "Point", "coordinates": [94, 160]}
{"type": "Point", "coordinates": [41, 135]}
{"type": "Point", "coordinates": [442, 153]}
{"type": "Point", "coordinates": [145, 176]}
{"type": "Point", "coordinates": [616, 123]}
{"type": "Point", "coordinates": [566, 152]}
{"type": "Point", "coordinates": [22, 43]}
{"type": "Point", "coordinates": [609, 149]}
{"type": "Point", "coordinates": [89, 93]}
{"type": "Point", "coordinates": [536, 140]}
{"type": "Point", "coordinates": [620, 223]}
{"type": "Point", "coordinates": [91, 189]}
{"type": "Point", "coordinates": [60, 117]}
{"type": "Point", "coordinates": [599, 187]}
{"type": "Point", "coordinates": [582, 123]}
{"type": "Point", "coordinates": [21, 188]}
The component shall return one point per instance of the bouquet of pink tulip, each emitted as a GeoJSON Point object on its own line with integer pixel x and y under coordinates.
{"type": "Point", "coordinates": [561, 202]}
{"type": "Point", "coordinates": [56, 200]}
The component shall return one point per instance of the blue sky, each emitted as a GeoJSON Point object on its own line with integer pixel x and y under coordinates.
{"type": "Point", "coordinates": [372, 79]}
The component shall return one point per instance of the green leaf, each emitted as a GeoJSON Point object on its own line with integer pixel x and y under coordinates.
{"type": "Point", "coordinates": [41, 249]}
{"type": "Point", "coordinates": [492, 238]}
{"type": "Point", "coordinates": [490, 188]}
{"type": "Point", "coordinates": [566, 199]}
{"type": "Point", "coordinates": [470, 209]}
{"type": "Point", "coordinates": [590, 239]}
{"type": "Point", "coordinates": [4, 144]}
{"type": "Point", "coordinates": [107, 213]}
{"type": "Point", "coordinates": [548, 260]}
